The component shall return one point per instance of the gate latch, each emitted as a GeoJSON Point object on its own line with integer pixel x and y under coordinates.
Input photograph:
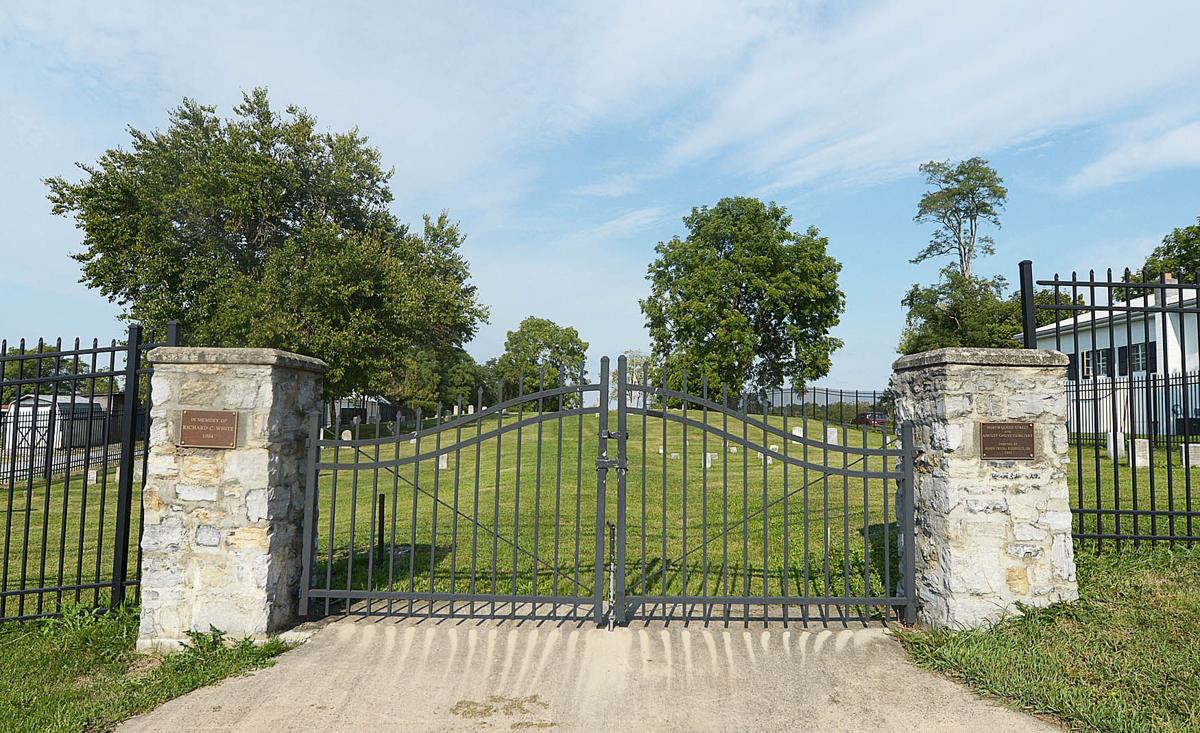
{"type": "Point", "coordinates": [613, 435]}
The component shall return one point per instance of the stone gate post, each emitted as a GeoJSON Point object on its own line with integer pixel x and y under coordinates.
{"type": "Point", "coordinates": [993, 526]}
{"type": "Point", "coordinates": [222, 537]}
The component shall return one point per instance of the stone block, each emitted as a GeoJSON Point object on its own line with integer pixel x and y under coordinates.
{"type": "Point", "coordinates": [1115, 445]}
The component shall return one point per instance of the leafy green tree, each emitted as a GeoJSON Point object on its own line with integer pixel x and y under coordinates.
{"type": "Point", "coordinates": [963, 196]}
{"type": "Point", "coordinates": [541, 352]}
{"type": "Point", "coordinates": [960, 312]}
{"type": "Point", "coordinates": [743, 298]}
{"type": "Point", "coordinates": [1179, 253]}
{"type": "Point", "coordinates": [262, 231]}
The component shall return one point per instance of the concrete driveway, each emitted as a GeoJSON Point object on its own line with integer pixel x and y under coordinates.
{"type": "Point", "coordinates": [360, 674]}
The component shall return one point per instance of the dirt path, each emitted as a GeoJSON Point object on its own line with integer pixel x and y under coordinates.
{"type": "Point", "coordinates": [490, 676]}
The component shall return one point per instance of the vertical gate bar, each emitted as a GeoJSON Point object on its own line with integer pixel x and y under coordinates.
{"type": "Point", "coordinates": [475, 501]}
{"type": "Point", "coordinates": [787, 517]}
{"type": "Point", "coordinates": [101, 515]}
{"type": "Point", "coordinates": [376, 517]}
{"type": "Point", "coordinates": [537, 485]}
{"type": "Point", "coordinates": [579, 477]}
{"type": "Point", "coordinates": [1078, 391]}
{"type": "Point", "coordinates": [10, 488]}
{"type": "Point", "coordinates": [75, 385]}
{"type": "Point", "coordinates": [704, 501]}
{"type": "Point", "coordinates": [683, 429]}
{"type": "Point", "coordinates": [1115, 369]}
{"type": "Point", "coordinates": [622, 462]}
{"type": "Point", "coordinates": [412, 538]}
{"type": "Point", "coordinates": [454, 516]}
{"type": "Point", "coordinates": [910, 553]}
{"type": "Point", "coordinates": [601, 483]}
{"type": "Point", "coordinates": [804, 478]}
{"type": "Point", "coordinates": [37, 400]}
{"type": "Point", "coordinates": [725, 497]}
{"type": "Point", "coordinates": [1028, 307]}
{"type": "Point", "coordinates": [517, 489]}
{"type": "Point", "coordinates": [496, 497]}
{"type": "Point", "coordinates": [1185, 457]}
{"type": "Point", "coordinates": [353, 514]}
{"type": "Point", "coordinates": [1183, 327]}
{"type": "Point", "coordinates": [437, 477]}
{"type": "Point", "coordinates": [887, 550]}
{"type": "Point", "coordinates": [662, 558]}
{"type": "Point", "coordinates": [310, 497]}
{"type": "Point", "coordinates": [845, 512]}
{"type": "Point", "coordinates": [1096, 374]}
{"type": "Point", "coordinates": [52, 419]}
{"type": "Point", "coordinates": [645, 396]}
{"type": "Point", "coordinates": [744, 414]}
{"type": "Point", "coordinates": [766, 446]}
{"type": "Point", "coordinates": [866, 466]}
{"type": "Point", "coordinates": [1131, 400]}
{"type": "Point", "coordinates": [825, 510]}
{"type": "Point", "coordinates": [87, 465]}
{"type": "Point", "coordinates": [395, 512]}
{"type": "Point", "coordinates": [557, 500]}
{"type": "Point", "coordinates": [133, 350]}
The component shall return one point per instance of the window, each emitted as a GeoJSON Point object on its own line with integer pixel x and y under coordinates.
{"type": "Point", "coordinates": [1137, 357]}
{"type": "Point", "coordinates": [1102, 362]}
{"type": "Point", "coordinates": [1086, 372]}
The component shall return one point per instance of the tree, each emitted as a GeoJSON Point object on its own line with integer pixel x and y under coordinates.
{"type": "Point", "coordinates": [963, 196]}
{"type": "Point", "coordinates": [1179, 253]}
{"type": "Point", "coordinates": [743, 299]}
{"type": "Point", "coordinates": [960, 312]}
{"type": "Point", "coordinates": [540, 354]}
{"type": "Point", "coordinates": [261, 231]}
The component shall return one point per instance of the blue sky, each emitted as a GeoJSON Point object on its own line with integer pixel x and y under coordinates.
{"type": "Point", "coordinates": [570, 138]}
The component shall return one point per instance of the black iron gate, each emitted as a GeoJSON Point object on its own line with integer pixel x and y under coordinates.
{"type": "Point", "coordinates": [763, 507]}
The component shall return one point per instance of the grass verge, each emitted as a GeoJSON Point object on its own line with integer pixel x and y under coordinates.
{"type": "Point", "coordinates": [80, 672]}
{"type": "Point", "coordinates": [1126, 657]}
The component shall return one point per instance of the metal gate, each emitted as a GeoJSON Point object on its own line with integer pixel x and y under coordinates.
{"type": "Point", "coordinates": [753, 509]}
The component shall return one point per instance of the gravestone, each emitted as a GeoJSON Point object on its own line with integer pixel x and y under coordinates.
{"type": "Point", "coordinates": [708, 459]}
{"type": "Point", "coordinates": [797, 432]}
{"type": "Point", "coordinates": [347, 435]}
{"type": "Point", "coordinates": [831, 436]}
{"type": "Point", "coordinates": [733, 449]}
{"type": "Point", "coordinates": [674, 456]}
{"type": "Point", "coordinates": [1189, 455]}
{"type": "Point", "coordinates": [1115, 445]}
{"type": "Point", "coordinates": [444, 461]}
{"type": "Point", "coordinates": [1140, 455]}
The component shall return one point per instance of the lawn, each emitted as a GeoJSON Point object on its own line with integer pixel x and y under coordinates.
{"type": "Point", "coordinates": [80, 672]}
{"type": "Point", "coordinates": [1125, 658]}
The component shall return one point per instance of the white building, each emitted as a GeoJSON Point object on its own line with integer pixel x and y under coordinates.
{"type": "Point", "coordinates": [66, 421]}
{"type": "Point", "coordinates": [1134, 367]}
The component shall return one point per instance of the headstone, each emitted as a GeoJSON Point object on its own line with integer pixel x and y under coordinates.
{"type": "Point", "coordinates": [660, 450]}
{"type": "Point", "coordinates": [412, 441]}
{"type": "Point", "coordinates": [456, 411]}
{"type": "Point", "coordinates": [797, 432]}
{"type": "Point", "coordinates": [1140, 455]}
{"type": "Point", "coordinates": [470, 409]}
{"type": "Point", "coordinates": [444, 461]}
{"type": "Point", "coordinates": [831, 436]}
{"type": "Point", "coordinates": [1189, 455]}
{"type": "Point", "coordinates": [1115, 445]}
{"type": "Point", "coordinates": [733, 449]}
{"type": "Point", "coordinates": [708, 459]}
{"type": "Point", "coordinates": [674, 456]}
{"type": "Point", "coordinates": [774, 447]}
{"type": "Point", "coordinates": [347, 435]}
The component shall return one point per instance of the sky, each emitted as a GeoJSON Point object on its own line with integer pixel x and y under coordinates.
{"type": "Point", "coordinates": [568, 139]}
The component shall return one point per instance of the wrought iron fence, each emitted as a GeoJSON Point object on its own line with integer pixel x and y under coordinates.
{"type": "Point", "coordinates": [1132, 398]}
{"type": "Point", "coordinates": [72, 464]}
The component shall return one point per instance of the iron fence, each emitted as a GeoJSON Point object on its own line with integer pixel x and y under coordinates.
{"type": "Point", "coordinates": [72, 437]}
{"type": "Point", "coordinates": [1132, 398]}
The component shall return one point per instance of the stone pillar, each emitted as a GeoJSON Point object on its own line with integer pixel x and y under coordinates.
{"type": "Point", "coordinates": [222, 538]}
{"type": "Point", "coordinates": [994, 532]}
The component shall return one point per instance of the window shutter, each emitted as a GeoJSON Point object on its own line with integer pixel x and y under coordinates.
{"type": "Point", "coordinates": [1109, 368]}
{"type": "Point", "coordinates": [1123, 360]}
{"type": "Point", "coordinates": [1072, 367]}
{"type": "Point", "coordinates": [1152, 357]}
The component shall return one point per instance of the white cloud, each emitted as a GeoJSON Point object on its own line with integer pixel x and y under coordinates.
{"type": "Point", "coordinates": [1178, 147]}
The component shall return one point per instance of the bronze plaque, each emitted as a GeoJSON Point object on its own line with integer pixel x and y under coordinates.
{"type": "Point", "coordinates": [1012, 440]}
{"type": "Point", "coordinates": [208, 429]}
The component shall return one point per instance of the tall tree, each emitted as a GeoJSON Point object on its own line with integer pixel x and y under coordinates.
{"type": "Point", "coordinates": [541, 353]}
{"type": "Point", "coordinates": [963, 196]}
{"type": "Point", "coordinates": [260, 230]}
{"type": "Point", "coordinates": [743, 298]}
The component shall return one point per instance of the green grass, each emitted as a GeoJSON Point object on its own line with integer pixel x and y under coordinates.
{"type": "Point", "coordinates": [1126, 657]}
{"type": "Point", "coordinates": [80, 672]}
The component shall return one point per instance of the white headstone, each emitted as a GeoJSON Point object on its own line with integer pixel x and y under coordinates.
{"type": "Point", "coordinates": [797, 432]}
{"type": "Point", "coordinates": [1116, 445]}
{"type": "Point", "coordinates": [456, 410]}
{"type": "Point", "coordinates": [347, 435]}
{"type": "Point", "coordinates": [470, 409]}
{"type": "Point", "coordinates": [1141, 453]}
{"type": "Point", "coordinates": [1189, 455]}
{"type": "Point", "coordinates": [733, 449]}
{"type": "Point", "coordinates": [660, 450]}
{"type": "Point", "coordinates": [831, 436]}
{"type": "Point", "coordinates": [775, 447]}
{"type": "Point", "coordinates": [708, 459]}
{"type": "Point", "coordinates": [444, 461]}
{"type": "Point", "coordinates": [674, 456]}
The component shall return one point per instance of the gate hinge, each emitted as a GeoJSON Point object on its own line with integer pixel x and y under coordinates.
{"type": "Point", "coordinates": [609, 463]}
{"type": "Point", "coordinates": [613, 435]}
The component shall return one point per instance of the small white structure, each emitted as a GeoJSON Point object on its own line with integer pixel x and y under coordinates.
{"type": "Point", "coordinates": [1115, 445]}
{"type": "Point", "coordinates": [831, 436]}
{"type": "Point", "coordinates": [444, 461]}
{"type": "Point", "coordinates": [1140, 456]}
{"type": "Point", "coordinates": [62, 422]}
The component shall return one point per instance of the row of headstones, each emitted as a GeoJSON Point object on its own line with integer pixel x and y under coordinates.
{"type": "Point", "coordinates": [1117, 445]}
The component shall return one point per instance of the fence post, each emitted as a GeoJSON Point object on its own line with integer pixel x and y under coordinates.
{"type": "Point", "coordinates": [133, 353]}
{"type": "Point", "coordinates": [1028, 306]}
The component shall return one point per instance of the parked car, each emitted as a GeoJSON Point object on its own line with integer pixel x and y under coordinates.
{"type": "Point", "coordinates": [871, 419]}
